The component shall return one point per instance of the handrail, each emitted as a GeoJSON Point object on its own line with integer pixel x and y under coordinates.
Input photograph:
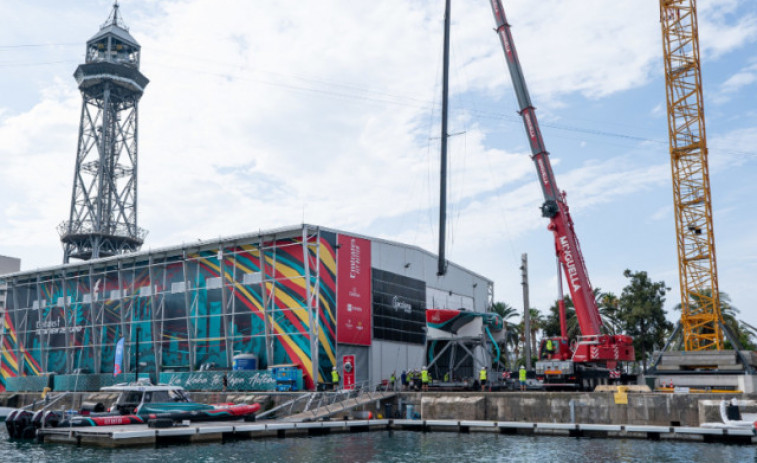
{"type": "Point", "coordinates": [326, 399]}
{"type": "Point", "coordinates": [47, 403]}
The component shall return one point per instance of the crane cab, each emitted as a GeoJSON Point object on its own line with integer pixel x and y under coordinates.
{"type": "Point", "coordinates": [554, 349]}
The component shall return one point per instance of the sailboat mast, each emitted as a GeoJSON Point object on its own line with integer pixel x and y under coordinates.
{"type": "Point", "coordinates": [443, 174]}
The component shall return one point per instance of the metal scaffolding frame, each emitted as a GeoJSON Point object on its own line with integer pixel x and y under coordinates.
{"type": "Point", "coordinates": [139, 284]}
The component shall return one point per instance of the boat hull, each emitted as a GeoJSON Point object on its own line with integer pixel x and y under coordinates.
{"type": "Point", "coordinates": [22, 424]}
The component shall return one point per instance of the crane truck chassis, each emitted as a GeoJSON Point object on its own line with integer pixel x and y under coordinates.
{"type": "Point", "coordinates": [593, 358]}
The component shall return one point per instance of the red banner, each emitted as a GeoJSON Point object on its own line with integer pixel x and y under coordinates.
{"type": "Point", "coordinates": [348, 371]}
{"type": "Point", "coordinates": [353, 284]}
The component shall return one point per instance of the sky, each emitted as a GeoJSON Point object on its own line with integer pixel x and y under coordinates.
{"type": "Point", "coordinates": [260, 115]}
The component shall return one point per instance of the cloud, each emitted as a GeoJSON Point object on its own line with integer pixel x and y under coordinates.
{"type": "Point", "coordinates": [328, 113]}
{"type": "Point", "coordinates": [726, 25]}
{"type": "Point", "coordinates": [735, 83]}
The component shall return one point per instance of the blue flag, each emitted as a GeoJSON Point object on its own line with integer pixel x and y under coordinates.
{"type": "Point", "coordinates": [118, 367]}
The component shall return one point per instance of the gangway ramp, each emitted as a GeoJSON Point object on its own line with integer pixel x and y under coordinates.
{"type": "Point", "coordinates": [326, 408]}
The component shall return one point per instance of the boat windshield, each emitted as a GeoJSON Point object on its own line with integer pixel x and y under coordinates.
{"type": "Point", "coordinates": [130, 397]}
{"type": "Point", "coordinates": [135, 397]}
{"type": "Point", "coordinates": [172, 395]}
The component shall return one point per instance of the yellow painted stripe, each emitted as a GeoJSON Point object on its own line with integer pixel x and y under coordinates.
{"type": "Point", "coordinates": [305, 359]}
{"type": "Point", "coordinates": [9, 360]}
{"type": "Point", "coordinates": [327, 258]}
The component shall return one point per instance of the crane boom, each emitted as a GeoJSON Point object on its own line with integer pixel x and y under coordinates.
{"type": "Point", "coordinates": [595, 346]}
{"type": "Point", "coordinates": [555, 207]}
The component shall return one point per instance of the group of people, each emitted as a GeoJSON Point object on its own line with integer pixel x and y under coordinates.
{"type": "Point", "coordinates": [411, 380]}
{"type": "Point", "coordinates": [420, 380]}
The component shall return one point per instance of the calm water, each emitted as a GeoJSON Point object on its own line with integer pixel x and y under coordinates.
{"type": "Point", "coordinates": [390, 447]}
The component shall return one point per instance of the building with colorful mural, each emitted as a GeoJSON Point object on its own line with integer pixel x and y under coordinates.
{"type": "Point", "coordinates": [305, 296]}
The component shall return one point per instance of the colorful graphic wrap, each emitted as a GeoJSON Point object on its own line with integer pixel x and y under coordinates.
{"type": "Point", "coordinates": [198, 308]}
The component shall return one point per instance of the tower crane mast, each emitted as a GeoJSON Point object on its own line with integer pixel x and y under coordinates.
{"type": "Point", "coordinates": [701, 319]}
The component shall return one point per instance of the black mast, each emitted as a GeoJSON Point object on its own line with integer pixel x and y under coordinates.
{"type": "Point", "coordinates": [443, 175]}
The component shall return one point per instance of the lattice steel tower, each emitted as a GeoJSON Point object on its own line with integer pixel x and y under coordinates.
{"type": "Point", "coordinates": [103, 217]}
{"type": "Point", "coordinates": [700, 301]}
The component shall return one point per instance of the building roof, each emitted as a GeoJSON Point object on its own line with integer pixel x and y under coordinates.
{"type": "Point", "coordinates": [245, 238]}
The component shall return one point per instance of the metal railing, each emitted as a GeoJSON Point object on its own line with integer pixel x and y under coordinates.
{"type": "Point", "coordinates": [328, 400]}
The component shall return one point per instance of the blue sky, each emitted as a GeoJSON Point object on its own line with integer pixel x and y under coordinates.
{"type": "Point", "coordinates": [261, 115]}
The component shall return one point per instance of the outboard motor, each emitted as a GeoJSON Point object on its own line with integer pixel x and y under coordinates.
{"type": "Point", "coordinates": [52, 418]}
{"type": "Point", "coordinates": [37, 418]}
{"type": "Point", "coordinates": [19, 425]}
{"type": "Point", "coordinates": [47, 419]}
{"type": "Point", "coordinates": [10, 424]}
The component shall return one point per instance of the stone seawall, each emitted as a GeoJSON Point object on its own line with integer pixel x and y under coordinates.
{"type": "Point", "coordinates": [571, 407]}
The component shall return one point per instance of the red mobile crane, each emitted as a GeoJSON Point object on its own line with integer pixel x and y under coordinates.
{"type": "Point", "coordinates": [592, 358]}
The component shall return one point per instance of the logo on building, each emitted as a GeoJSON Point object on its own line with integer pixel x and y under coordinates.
{"type": "Point", "coordinates": [399, 304]}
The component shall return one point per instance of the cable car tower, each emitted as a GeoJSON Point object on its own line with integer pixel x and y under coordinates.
{"type": "Point", "coordinates": [103, 216]}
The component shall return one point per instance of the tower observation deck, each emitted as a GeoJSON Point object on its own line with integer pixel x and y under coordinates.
{"type": "Point", "coordinates": [103, 215]}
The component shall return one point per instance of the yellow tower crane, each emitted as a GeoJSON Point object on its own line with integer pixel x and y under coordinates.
{"type": "Point", "coordinates": [701, 320]}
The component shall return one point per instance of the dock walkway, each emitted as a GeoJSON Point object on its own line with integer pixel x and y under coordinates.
{"type": "Point", "coordinates": [136, 435]}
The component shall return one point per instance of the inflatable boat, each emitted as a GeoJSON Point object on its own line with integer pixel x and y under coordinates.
{"type": "Point", "coordinates": [156, 405]}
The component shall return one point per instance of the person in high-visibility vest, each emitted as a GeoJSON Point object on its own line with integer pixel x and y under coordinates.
{"type": "Point", "coordinates": [392, 380]}
{"type": "Point", "coordinates": [446, 377]}
{"type": "Point", "coordinates": [522, 377]}
{"type": "Point", "coordinates": [424, 379]}
{"type": "Point", "coordinates": [334, 378]}
{"type": "Point", "coordinates": [550, 348]}
{"type": "Point", "coordinates": [482, 378]}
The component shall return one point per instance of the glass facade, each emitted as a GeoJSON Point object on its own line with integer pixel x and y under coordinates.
{"type": "Point", "coordinates": [399, 308]}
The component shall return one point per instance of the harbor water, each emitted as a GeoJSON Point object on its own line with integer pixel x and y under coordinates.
{"type": "Point", "coordinates": [390, 447]}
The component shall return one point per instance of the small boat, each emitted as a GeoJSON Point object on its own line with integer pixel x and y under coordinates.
{"type": "Point", "coordinates": [156, 405]}
{"type": "Point", "coordinates": [734, 416]}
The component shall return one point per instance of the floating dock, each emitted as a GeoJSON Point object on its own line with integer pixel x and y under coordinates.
{"type": "Point", "coordinates": [142, 435]}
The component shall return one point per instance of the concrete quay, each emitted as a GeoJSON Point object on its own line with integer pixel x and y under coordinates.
{"type": "Point", "coordinates": [642, 409]}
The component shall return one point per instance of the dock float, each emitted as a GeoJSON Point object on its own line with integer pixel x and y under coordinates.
{"type": "Point", "coordinates": [141, 435]}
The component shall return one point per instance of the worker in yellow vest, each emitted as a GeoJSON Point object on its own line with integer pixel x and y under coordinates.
{"type": "Point", "coordinates": [334, 378]}
{"type": "Point", "coordinates": [522, 377]}
{"type": "Point", "coordinates": [482, 378]}
{"type": "Point", "coordinates": [424, 379]}
{"type": "Point", "coordinates": [550, 348]}
{"type": "Point", "coordinates": [392, 380]}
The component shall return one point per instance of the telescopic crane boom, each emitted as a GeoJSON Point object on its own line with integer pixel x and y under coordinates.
{"type": "Point", "coordinates": [594, 346]}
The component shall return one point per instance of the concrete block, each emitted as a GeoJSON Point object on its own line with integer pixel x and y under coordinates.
{"type": "Point", "coordinates": [699, 431]}
{"type": "Point", "coordinates": [451, 407]}
{"type": "Point", "coordinates": [176, 432]}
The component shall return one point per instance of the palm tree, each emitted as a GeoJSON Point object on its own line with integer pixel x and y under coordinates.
{"type": "Point", "coordinates": [728, 312]}
{"type": "Point", "coordinates": [552, 322]}
{"type": "Point", "coordinates": [609, 309]}
{"type": "Point", "coordinates": [508, 312]}
{"type": "Point", "coordinates": [537, 322]}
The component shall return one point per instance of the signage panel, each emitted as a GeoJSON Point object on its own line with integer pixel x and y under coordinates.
{"type": "Point", "coordinates": [353, 290]}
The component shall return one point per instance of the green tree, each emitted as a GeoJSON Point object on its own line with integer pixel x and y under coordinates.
{"type": "Point", "coordinates": [641, 313]}
{"type": "Point", "coordinates": [552, 321]}
{"type": "Point", "coordinates": [607, 303]}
